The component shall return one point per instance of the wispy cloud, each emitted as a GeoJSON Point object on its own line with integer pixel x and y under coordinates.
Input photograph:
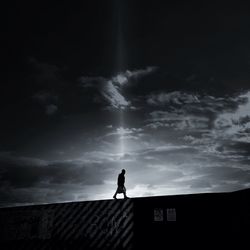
{"type": "Point", "coordinates": [194, 103]}
{"type": "Point", "coordinates": [46, 74]}
{"type": "Point", "coordinates": [112, 89]}
{"type": "Point", "coordinates": [51, 109]}
{"type": "Point", "coordinates": [123, 78]}
{"type": "Point", "coordinates": [26, 180]}
{"type": "Point", "coordinates": [184, 111]}
{"type": "Point", "coordinates": [236, 125]}
{"type": "Point", "coordinates": [47, 77]}
{"type": "Point", "coordinates": [113, 95]}
{"type": "Point", "coordinates": [176, 97]}
{"type": "Point", "coordinates": [124, 133]}
{"type": "Point", "coordinates": [177, 120]}
{"type": "Point", "coordinates": [48, 101]}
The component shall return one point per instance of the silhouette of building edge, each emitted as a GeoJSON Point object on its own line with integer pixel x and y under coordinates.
{"type": "Point", "coordinates": [201, 220]}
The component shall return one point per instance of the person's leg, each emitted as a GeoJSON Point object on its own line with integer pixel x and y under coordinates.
{"type": "Point", "coordinates": [115, 194]}
{"type": "Point", "coordinates": [124, 193]}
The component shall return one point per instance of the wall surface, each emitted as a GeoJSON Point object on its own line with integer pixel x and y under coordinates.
{"type": "Point", "coordinates": [151, 222]}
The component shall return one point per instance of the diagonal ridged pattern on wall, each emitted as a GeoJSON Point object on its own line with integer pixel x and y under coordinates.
{"type": "Point", "coordinates": [106, 224]}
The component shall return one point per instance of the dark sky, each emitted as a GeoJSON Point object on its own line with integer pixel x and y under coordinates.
{"type": "Point", "coordinates": [160, 89]}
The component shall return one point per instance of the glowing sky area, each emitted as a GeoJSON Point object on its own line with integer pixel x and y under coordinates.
{"type": "Point", "coordinates": [159, 89]}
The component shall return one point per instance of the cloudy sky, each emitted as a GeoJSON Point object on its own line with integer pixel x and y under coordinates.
{"type": "Point", "coordinates": [162, 90]}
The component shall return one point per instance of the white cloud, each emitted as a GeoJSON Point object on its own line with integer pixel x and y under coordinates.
{"type": "Point", "coordinates": [111, 89]}
{"type": "Point", "coordinates": [177, 120]}
{"type": "Point", "coordinates": [156, 125]}
{"type": "Point", "coordinates": [169, 147]}
{"type": "Point", "coordinates": [193, 104]}
{"type": "Point", "coordinates": [212, 119]}
{"type": "Point", "coordinates": [110, 92]}
{"type": "Point", "coordinates": [235, 125]}
{"type": "Point", "coordinates": [123, 78]}
{"type": "Point", "coordinates": [124, 133]}
{"type": "Point", "coordinates": [114, 96]}
{"type": "Point", "coordinates": [175, 97]}
{"type": "Point", "coordinates": [120, 79]}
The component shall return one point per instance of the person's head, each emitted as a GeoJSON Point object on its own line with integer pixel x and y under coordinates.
{"type": "Point", "coordinates": [123, 171]}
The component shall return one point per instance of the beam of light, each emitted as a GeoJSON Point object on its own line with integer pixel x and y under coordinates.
{"type": "Point", "coordinates": [120, 65]}
{"type": "Point", "coordinates": [122, 141]}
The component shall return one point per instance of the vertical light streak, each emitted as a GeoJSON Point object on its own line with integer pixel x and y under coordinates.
{"type": "Point", "coordinates": [120, 65]}
{"type": "Point", "coordinates": [122, 134]}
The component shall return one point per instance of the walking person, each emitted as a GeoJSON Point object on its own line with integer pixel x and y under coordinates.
{"type": "Point", "coordinates": [120, 185]}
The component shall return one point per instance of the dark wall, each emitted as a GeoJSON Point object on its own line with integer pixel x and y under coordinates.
{"type": "Point", "coordinates": [198, 220]}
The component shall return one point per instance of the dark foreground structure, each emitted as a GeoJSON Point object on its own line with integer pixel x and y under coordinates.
{"type": "Point", "coordinates": [163, 222]}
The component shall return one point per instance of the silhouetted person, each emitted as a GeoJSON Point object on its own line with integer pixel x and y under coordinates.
{"type": "Point", "coordinates": [120, 183]}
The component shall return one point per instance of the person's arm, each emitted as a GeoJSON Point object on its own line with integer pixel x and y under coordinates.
{"type": "Point", "coordinates": [121, 181]}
